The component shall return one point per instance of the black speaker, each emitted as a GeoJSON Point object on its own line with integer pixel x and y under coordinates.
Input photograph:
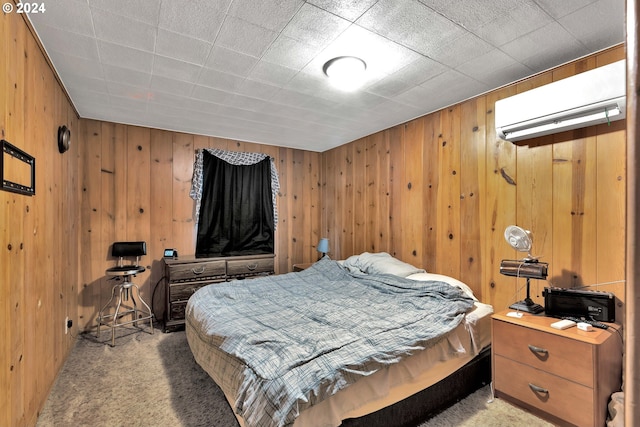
{"type": "Point", "coordinates": [594, 305]}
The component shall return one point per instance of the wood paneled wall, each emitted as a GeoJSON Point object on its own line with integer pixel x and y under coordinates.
{"type": "Point", "coordinates": [39, 245]}
{"type": "Point", "coordinates": [437, 191]}
{"type": "Point", "coordinates": [136, 184]}
{"type": "Point", "coordinates": [440, 190]}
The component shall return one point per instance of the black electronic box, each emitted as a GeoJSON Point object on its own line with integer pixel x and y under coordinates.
{"type": "Point", "coordinates": [591, 305]}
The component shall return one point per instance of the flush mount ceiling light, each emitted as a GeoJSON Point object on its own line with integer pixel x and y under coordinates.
{"type": "Point", "coordinates": [345, 72]}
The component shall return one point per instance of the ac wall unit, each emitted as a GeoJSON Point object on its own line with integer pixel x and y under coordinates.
{"type": "Point", "coordinates": [586, 99]}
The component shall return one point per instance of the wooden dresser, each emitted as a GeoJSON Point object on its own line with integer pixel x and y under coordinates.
{"type": "Point", "coordinates": [186, 275]}
{"type": "Point", "coordinates": [566, 376]}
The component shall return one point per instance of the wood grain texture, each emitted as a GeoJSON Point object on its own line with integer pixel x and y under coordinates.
{"type": "Point", "coordinates": [453, 187]}
{"type": "Point", "coordinates": [121, 182]}
{"type": "Point", "coordinates": [40, 234]}
{"type": "Point", "coordinates": [140, 179]}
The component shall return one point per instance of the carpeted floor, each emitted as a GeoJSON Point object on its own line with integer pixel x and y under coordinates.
{"type": "Point", "coordinates": [153, 380]}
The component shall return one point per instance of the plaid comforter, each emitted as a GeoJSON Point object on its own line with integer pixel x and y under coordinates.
{"type": "Point", "coordinates": [304, 336]}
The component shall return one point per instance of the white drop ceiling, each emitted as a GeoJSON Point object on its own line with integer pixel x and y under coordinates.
{"type": "Point", "coordinates": [251, 70]}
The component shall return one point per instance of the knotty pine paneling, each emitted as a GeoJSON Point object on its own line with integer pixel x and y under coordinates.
{"type": "Point", "coordinates": [39, 238]}
{"type": "Point", "coordinates": [452, 187]}
{"type": "Point", "coordinates": [136, 185]}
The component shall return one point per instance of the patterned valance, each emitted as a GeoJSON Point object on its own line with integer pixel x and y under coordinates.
{"type": "Point", "coordinates": [234, 158]}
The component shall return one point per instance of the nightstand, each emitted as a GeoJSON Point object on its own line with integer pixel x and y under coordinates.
{"type": "Point", "coordinates": [566, 376]}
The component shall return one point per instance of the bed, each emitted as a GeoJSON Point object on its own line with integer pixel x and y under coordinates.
{"type": "Point", "coordinates": [341, 343]}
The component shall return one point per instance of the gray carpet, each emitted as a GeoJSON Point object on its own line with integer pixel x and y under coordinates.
{"type": "Point", "coordinates": [153, 380]}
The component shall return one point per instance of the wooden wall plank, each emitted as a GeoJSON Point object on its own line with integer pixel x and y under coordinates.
{"type": "Point", "coordinates": [14, 132]}
{"type": "Point", "coordinates": [431, 177]}
{"type": "Point", "coordinates": [501, 209]}
{"type": "Point", "coordinates": [358, 183]}
{"type": "Point", "coordinates": [161, 215]}
{"type": "Point", "coordinates": [397, 185]}
{"type": "Point", "coordinates": [345, 201]}
{"type": "Point", "coordinates": [472, 187]}
{"type": "Point", "coordinates": [448, 198]}
{"type": "Point", "coordinates": [412, 192]}
{"type": "Point", "coordinates": [183, 227]}
{"type": "Point", "coordinates": [283, 231]}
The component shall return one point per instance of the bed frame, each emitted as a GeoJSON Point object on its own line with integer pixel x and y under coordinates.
{"type": "Point", "coordinates": [429, 402]}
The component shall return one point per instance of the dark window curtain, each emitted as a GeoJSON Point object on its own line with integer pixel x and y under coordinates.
{"type": "Point", "coordinates": [236, 211]}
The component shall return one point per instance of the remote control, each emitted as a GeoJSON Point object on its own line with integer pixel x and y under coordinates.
{"type": "Point", "coordinates": [563, 324]}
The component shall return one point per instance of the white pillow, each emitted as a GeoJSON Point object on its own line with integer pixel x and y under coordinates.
{"type": "Point", "coordinates": [380, 263]}
{"type": "Point", "coordinates": [441, 278]}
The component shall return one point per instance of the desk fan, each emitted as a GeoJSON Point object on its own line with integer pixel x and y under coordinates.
{"type": "Point", "coordinates": [529, 267]}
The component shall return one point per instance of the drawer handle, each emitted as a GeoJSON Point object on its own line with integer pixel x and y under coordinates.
{"type": "Point", "coordinates": [252, 266]}
{"type": "Point", "coordinates": [538, 349]}
{"type": "Point", "coordinates": [200, 270]}
{"type": "Point", "coordinates": [538, 389]}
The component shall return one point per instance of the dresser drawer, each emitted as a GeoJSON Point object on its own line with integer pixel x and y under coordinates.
{"type": "Point", "coordinates": [197, 271]}
{"type": "Point", "coordinates": [249, 267]}
{"type": "Point", "coordinates": [558, 355]}
{"type": "Point", "coordinates": [183, 291]}
{"type": "Point", "coordinates": [569, 401]}
{"type": "Point", "coordinates": [177, 310]}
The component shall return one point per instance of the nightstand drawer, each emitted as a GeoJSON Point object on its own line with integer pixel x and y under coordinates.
{"type": "Point", "coordinates": [197, 271]}
{"type": "Point", "coordinates": [552, 394]}
{"type": "Point", "coordinates": [565, 357]}
{"type": "Point", "coordinates": [248, 267]}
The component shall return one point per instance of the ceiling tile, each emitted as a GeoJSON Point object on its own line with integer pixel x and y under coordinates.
{"type": "Point", "coordinates": [557, 9]}
{"type": "Point", "coordinates": [315, 27]}
{"type": "Point", "coordinates": [274, 74]}
{"type": "Point", "coordinates": [219, 80]}
{"type": "Point", "coordinates": [229, 61]}
{"type": "Point", "coordinates": [70, 67]}
{"type": "Point", "coordinates": [69, 15]}
{"type": "Point", "coordinates": [454, 52]}
{"type": "Point", "coordinates": [347, 9]}
{"type": "Point", "coordinates": [271, 15]}
{"type": "Point", "coordinates": [174, 69]}
{"type": "Point", "coordinates": [200, 19]}
{"type": "Point", "coordinates": [125, 57]}
{"type": "Point", "coordinates": [472, 14]}
{"type": "Point", "coordinates": [289, 52]}
{"type": "Point", "coordinates": [69, 43]}
{"type": "Point", "coordinates": [411, 24]}
{"type": "Point", "coordinates": [540, 50]}
{"type": "Point", "coordinates": [126, 76]}
{"type": "Point", "coordinates": [607, 14]}
{"type": "Point", "coordinates": [245, 37]}
{"type": "Point", "coordinates": [124, 31]}
{"type": "Point", "coordinates": [517, 22]}
{"type": "Point", "coordinates": [494, 68]}
{"type": "Point", "coordinates": [257, 89]}
{"type": "Point", "coordinates": [147, 11]}
{"type": "Point", "coordinates": [181, 47]}
{"type": "Point", "coordinates": [168, 85]}
{"type": "Point", "coordinates": [210, 95]}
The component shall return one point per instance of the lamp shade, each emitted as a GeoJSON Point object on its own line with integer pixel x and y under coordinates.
{"type": "Point", "coordinates": [323, 245]}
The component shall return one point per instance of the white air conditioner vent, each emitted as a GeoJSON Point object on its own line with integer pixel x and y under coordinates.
{"type": "Point", "coordinates": [586, 99]}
